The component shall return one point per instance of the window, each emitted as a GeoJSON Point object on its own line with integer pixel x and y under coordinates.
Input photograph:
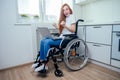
{"type": "Point", "coordinates": [52, 9]}
{"type": "Point", "coordinates": [40, 10]}
{"type": "Point", "coordinates": [28, 10]}
{"type": "Point", "coordinates": [30, 7]}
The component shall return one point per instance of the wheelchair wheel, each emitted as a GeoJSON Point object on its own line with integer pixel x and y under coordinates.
{"type": "Point", "coordinates": [75, 54]}
{"type": "Point", "coordinates": [58, 73]}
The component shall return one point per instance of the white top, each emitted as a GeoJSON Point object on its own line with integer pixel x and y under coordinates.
{"type": "Point", "coordinates": [69, 21]}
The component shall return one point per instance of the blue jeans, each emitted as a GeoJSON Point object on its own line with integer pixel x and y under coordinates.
{"type": "Point", "coordinates": [45, 46]}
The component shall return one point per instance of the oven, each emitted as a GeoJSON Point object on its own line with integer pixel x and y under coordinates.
{"type": "Point", "coordinates": [116, 43]}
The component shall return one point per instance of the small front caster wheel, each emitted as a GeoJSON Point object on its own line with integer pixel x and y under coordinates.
{"type": "Point", "coordinates": [58, 73]}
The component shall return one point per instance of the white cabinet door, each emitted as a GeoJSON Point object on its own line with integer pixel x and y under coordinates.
{"type": "Point", "coordinates": [78, 1]}
{"type": "Point", "coordinates": [99, 34]}
{"type": "Point", "coordinates": [81, 32]}
{"type": "Point", "coordinates": [115, 11]}
{"type": "Point", "coordinates": [82, 2]}
{"type": "Point", "coordinates": [99, 52]}
{"type": "Point", "coordinates": [115, 63]}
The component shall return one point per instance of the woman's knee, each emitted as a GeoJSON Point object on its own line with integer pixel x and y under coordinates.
{"type": "Point", "coordinates": [48, 41]}
{"type": "Point", "coordinates": [43, 40]}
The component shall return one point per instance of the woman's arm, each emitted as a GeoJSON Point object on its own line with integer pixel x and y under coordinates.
{"type": "Point", "coordinates": [71, 28]}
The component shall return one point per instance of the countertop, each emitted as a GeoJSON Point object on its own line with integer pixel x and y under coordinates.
{"type": "Point", "coordinates": [98, 23]}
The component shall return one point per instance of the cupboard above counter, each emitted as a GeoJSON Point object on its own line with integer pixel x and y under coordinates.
{"type": "Point", "coordinates": [99, 11]}
{"type": "Point", "coordinates": [82, 2]}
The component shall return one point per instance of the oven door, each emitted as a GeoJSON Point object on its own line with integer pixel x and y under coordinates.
{"type": "Point", "coordinates": [116, 46]}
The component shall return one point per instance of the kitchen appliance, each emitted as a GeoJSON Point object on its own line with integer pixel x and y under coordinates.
{"type": "Point", "coordinates": [116, 43]}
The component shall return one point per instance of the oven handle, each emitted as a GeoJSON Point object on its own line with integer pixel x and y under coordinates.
{"type": "Point", "coordinates": [119, 45]}
{"type": "Point", "coordinates": [118, 34]}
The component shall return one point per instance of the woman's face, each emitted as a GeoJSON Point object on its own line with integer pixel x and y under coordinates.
{"type": "Point", "coordinates": [66, 11]}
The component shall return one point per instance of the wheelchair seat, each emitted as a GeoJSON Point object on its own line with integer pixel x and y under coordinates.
{"type": "Point", "coordinates": [74, 52]}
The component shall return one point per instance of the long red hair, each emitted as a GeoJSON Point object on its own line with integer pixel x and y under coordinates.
{"type": "Point", "coordinates": [63, 17]}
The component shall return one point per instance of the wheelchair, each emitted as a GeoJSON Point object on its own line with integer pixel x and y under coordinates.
{"type": "Point", "coordinates": [73, 51]}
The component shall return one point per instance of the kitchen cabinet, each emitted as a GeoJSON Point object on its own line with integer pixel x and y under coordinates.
{"type": "Point", "coordinates": [115, 11]}
{"type": "Point", "coordinates": [99, 52]}
{"type": "Point", "coordinates": [91, 11]}
{"type": "Point", "coordinates": [81, 32]}
{"type": "Point", "coordinates": [115, 63]}
{"type": "Point", "coordinates": [98, 38]}
{"type": "Point", "coordinates": [99, 34]}
{"type": "Point", "coordinates": [82, 2]}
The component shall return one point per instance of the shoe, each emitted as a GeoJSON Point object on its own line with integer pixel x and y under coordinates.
{"type": "Point", "coordinates": [35, 65]}
{"type": "Point", "coordinates": [41, 68]}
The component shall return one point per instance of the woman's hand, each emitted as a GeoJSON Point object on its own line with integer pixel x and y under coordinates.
{"type": "Point", "coordinates": [55, 25]}
{"type": "Point", "coordinates": [62, 23]}
{"type": "Point", "coordinates": [71, 28]}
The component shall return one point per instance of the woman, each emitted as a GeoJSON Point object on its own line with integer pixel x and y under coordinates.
{"type": "Point", "coordinates": [66, 25]}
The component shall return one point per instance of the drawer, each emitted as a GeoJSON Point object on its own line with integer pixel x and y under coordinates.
{"type": "Point", "coordinates": [115, 63]}
{"type": "Point", "coordinates": [116, 27]}
{"type": "Point", "coordinates": [99, 34]}
{"type": "Point", "coordinates": [99, 52]}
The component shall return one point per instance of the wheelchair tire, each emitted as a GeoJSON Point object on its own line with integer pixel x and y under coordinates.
{"type": "Point", "coordinates": [77, 59]}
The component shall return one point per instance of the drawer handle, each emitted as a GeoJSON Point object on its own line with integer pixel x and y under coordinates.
{"type": "Point", "coordinates": [97, 27]}
{"type": "Point", "coordinates": [96, 45]}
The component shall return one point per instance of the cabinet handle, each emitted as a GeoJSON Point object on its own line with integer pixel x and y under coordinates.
{"type": "Point", "coordinates": [97, 27]}
{"type": "Point", "coordinates": [97, 45]}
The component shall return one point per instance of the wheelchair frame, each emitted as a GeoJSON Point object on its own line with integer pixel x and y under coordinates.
{"type": "Point", "coordinates": [76, 50]}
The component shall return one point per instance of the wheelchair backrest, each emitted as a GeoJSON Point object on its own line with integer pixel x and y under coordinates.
{"type": "Point", "coordinates": [64, 42]}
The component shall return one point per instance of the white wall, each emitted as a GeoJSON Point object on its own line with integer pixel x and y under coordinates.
{"type": "Point", "coordinates": [77, 12]}
{"type": "Point", "coordinates": [15, 40]}
{"type": "Point", "coordinates": [102, 11]}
